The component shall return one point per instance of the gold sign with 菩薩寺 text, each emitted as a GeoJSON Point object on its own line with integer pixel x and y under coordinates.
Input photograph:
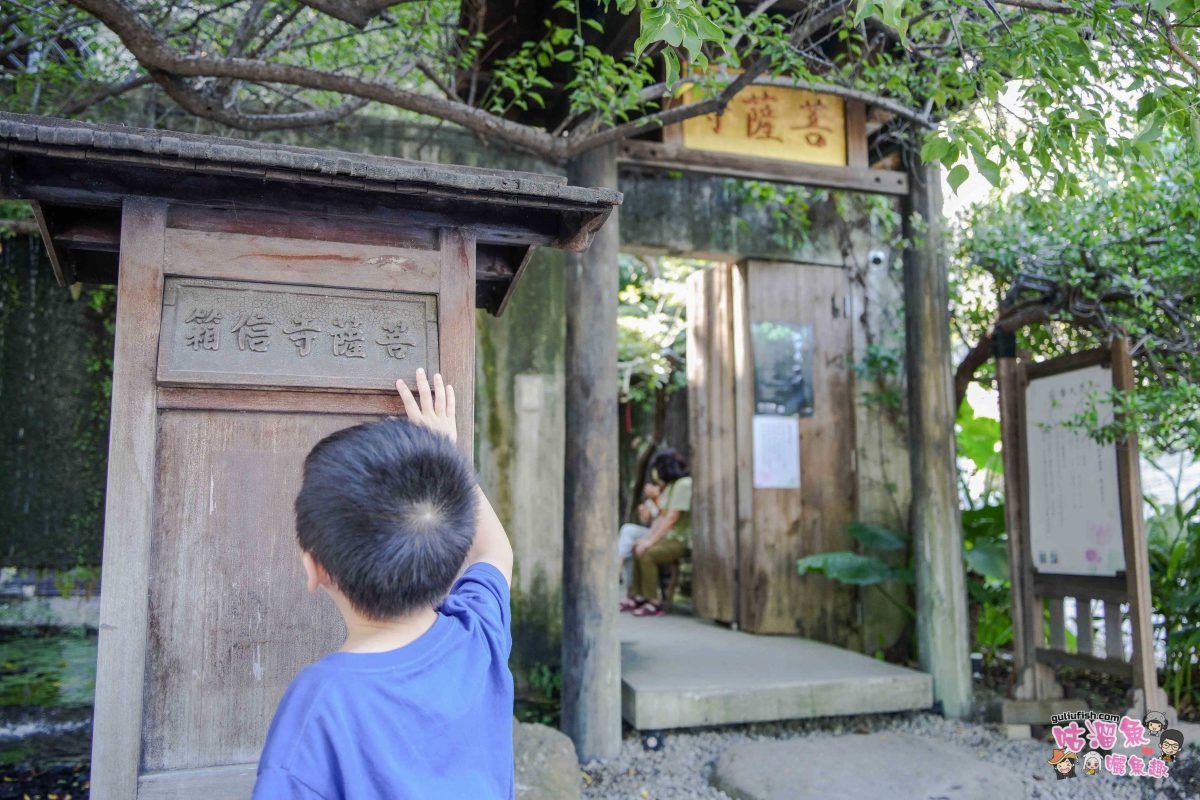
{"type": "Point", "coordinates": [773, 122]}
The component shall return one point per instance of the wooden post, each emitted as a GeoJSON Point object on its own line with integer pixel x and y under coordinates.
{"type": "Point", "coordinates": [1137, 556]}
{"type": "Point", "coordinates": [935, 524]}
{"type": "Point", "coordinates": [1004, 346]}
{"type": "Point", "coordinates": [591, 671]}
{"type": "Point", "coordinates": [129, 505]}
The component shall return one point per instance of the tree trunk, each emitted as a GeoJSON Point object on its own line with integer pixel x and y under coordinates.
{"type": "Point", "coordinates": [591, 688]}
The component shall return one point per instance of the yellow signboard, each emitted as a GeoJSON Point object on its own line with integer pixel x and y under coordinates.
{"type": "Point", "coordinates": [773, 122]}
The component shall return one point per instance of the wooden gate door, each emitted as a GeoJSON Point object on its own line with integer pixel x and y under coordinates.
{"type": "Point", "coordinates": [747, 538]}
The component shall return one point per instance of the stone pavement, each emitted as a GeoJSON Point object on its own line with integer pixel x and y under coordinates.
{"type": "Point", "coordinates": [883, 765]}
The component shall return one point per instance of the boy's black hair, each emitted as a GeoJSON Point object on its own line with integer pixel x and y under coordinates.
{"type": "Point", "coordinates": [388, 509]}
{"type": "Point", "coordinates": [669, 465]}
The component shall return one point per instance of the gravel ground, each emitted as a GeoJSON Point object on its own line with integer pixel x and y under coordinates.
{"type": "Point", "coordinates": [683, 767]}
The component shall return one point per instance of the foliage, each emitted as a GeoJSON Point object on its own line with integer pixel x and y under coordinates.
{"type": "Point", "coordinates": [882, 368]}
{"type": "Point", "coordinates": [651, 326]}
{"type": "Point", "coordinates": [1035, 87]}
{"type": "Point", "coordinates": [858, 569]}
{"type": "Point", "coordinates": [542, 701]}
{"type": "Point", "coordinates": [1066, 273]}
{"type": "Point", "coordinates": [1173, 533]}
{"type": "Point", "coordinates": [47, 667]}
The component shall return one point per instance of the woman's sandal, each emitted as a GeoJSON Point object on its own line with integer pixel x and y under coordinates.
{"type": "Point", "coordinates": [649, 609]}
{"type": "Point", "coordinates": [630, 604]}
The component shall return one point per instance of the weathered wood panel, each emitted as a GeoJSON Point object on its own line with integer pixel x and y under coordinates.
{"type": "Point", "coordinates": [743, 398]}
{"type": "Point", "coordinates": [245, 257]}
{"type": "Point", "coordinates": [789, 524]}
{"type": "Point", "coordinates": [456, 330]}
{"type": "Point", "coordinates": [129, 505]}
{"type": "Point", "coordinates": [229, 618]}
{"type": "Point", "coordinates": [235, 782]}
{"type": "Point", "coordinates": [710, 379]}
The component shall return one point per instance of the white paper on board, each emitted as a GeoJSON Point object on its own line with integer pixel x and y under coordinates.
{"type": "Point", "coordinates": [776, 452]}
{"type": "Point", "coordinates": [1074, 502]}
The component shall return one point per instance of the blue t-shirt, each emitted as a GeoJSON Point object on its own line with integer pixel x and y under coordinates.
{"type": "Point", "coordinates": [431, 719]}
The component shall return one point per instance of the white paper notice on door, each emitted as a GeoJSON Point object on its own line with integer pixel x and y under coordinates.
{"type": "Point", "coordinates": [776, 452]}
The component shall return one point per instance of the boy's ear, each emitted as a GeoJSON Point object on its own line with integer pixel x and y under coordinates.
{"type": "Point", "coordinates": [315, 574]}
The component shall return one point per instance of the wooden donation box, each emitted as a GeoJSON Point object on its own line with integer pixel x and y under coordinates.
{"type": "Point", "coordinates": [266, 296]}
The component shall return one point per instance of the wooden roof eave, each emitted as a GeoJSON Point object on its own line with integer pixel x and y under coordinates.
{"type": "Point", "coordinates": [79, 175]}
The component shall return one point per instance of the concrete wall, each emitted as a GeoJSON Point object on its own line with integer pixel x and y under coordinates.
{"type": "Point", "coordinates": [519, 423]}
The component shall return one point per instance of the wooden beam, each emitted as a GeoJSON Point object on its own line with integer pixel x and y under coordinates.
{"type": "Point", "coordinates": [1057, 658]}
{"type": "Point", "coordinates": [1097, 587]}
{"type": "Point", "coordinates": [591, 657]}
{"type": "Point", "coordinates": [653, 155]}
{"type": "Point", "coordinates": [856, 134]}
{"type": "Point", "coordinates": [59, 261]}
{"type": "Point", "coordinates": [935, 524]}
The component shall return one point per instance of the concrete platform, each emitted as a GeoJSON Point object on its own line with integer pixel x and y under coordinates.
{"type": "Point", "coordinates": [683, 672]}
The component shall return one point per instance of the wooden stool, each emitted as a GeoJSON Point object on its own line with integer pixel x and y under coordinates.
{"type": "Point", "coordinates": [668, 580]}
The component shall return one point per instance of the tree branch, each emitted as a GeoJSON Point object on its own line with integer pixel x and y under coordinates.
{"type": "Point", "coordinates": [713, 105]}
{"type": "Point", "coordinates": [153, 54]}
{"type": "Point", "coordinates": [1173, 43]}
{"type": "Point", "coordinates": [105, 92]}
{"type": "Point", "coordinates": [1040, 5]}
{"type": "Point", "coordinates": [207, 107]}
{"type": "Point", "coordinates": [356, 12]}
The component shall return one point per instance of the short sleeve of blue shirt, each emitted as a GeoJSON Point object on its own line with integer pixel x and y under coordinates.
{"type": "Point", "coordinates": [481, 597]}
{"type": "Point", "coordinates": [432, 719]}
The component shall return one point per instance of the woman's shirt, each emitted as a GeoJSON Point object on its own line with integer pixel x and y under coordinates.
{"type": "Point", "coordinates": [678, 497]}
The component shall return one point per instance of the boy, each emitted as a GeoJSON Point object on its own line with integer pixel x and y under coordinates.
{"type": "Point", "coordinates": [418, 701]}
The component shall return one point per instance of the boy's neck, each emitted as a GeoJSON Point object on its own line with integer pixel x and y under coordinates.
{"type": "Point", "coordinates": [379, 636]}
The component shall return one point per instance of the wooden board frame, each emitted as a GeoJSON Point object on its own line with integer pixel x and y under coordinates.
{"type": "Point", "coordinates": [1034, 655]}
{"type": "Point", "coordinates": [146, 258]}
{"type": "Point", "coordinates": [854, 178]}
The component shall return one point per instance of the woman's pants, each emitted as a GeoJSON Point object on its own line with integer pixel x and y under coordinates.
{"type": "Point", "coordinates": [630, 533]}
{"type": "Point", "coordinates": [645, 566]}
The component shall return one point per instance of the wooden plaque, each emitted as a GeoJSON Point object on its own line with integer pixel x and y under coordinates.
{"type": "Point", "coordinates": [238, 333]}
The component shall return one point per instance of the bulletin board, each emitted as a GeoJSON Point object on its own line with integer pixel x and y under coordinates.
{"type": "Point", "coordinates": [1074, 504]}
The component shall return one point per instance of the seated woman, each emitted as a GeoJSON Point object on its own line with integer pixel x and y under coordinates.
{"type": "Point", "coordinates": [669, 537]}
{"type": "Point", "coordinates": [648, 510]}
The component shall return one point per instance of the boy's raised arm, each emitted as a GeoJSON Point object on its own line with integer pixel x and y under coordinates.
{"type": "Point", "coordinates": [491, 541]}
{"type": "Point", "coordinates": [435, 410]}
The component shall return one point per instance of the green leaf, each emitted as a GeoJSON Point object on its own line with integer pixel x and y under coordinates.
{"type": "Point", "coordinates": [846, 567]}
{"type": "Point", "coordinates": [988, 168]}
{"type": "Point", "coordinates": [877, 537]}
{"type": "Point", "coordinates": [671, 62]}
{"type": "Point", "coordinates": [1146, 105]}
{"type": "Point", "coordinates": [957, 176]}
{"type": "Point", "coordinates": [989, 559]}
{"type": "Point", "coordinates": [934, 149]}
{"type": "Point", "coordinates": [865, 9]}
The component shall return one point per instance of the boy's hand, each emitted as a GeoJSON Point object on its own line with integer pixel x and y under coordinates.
{"type": "Point", "coordinates": [436, 409]}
